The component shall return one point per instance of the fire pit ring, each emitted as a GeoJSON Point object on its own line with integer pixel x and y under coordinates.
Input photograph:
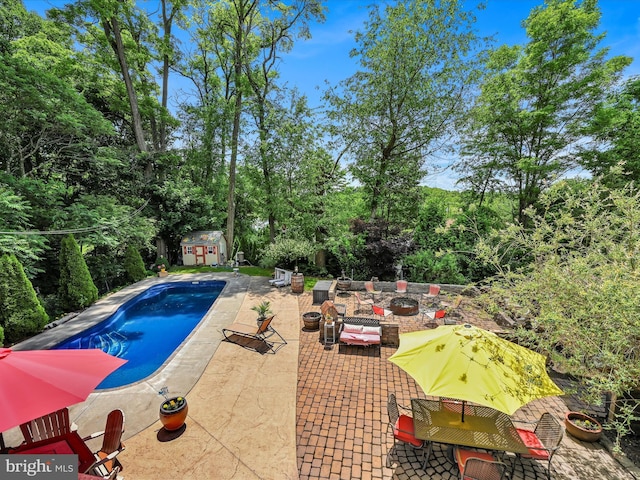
{"type": "Point", "coordinates": [404, 306]}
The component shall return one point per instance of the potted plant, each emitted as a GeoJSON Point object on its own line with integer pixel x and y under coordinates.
{"type": "Point", "coordinates": [582, 426]}
{"type": "Point", "coordinates": [263, 310]}
{"type": "Point", "coordinates": [173, 411]}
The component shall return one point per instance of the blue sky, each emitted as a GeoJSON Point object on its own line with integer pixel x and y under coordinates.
{"type": "Point", "coordinates": [325, 57]}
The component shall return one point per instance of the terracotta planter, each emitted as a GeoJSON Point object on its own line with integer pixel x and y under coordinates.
{"type": "Point", "coordinates": [173, 419]}
{"type": "Point", "coordinates": [581, 433]}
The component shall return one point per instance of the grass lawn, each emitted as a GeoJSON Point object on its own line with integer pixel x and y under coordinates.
{"type": "Point", "coordinates": [309, 282]}
{"type": "Point", "coordinates": [252, 271]}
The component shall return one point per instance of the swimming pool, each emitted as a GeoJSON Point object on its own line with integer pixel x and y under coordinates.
{"type": "Point", "coordinates": [147, 329]}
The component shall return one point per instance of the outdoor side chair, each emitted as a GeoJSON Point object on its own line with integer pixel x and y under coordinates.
{"type": "Point", "coordinates": [51, 425]}
{"type": "Point", "coordinates": [381, 311]}
{"type": "Point", "coordinates": [434, 291]}
{"type": "Point", "coordinates": [106, 462]}
{"type": "Point", "coordinates": [544, 441]}
{"type": "Point", "coordinates": [264, 339]}
{"type": "Point", "coordinates": [401, 286]}
{"type": "Point", "coordinates": [368, 286]}
{"type": "Point", "coordinates": [364, 304]}
{"type": "Point", "coordinates": [475, 465]}
{"type": "Point", "coordinates": [403, 430]}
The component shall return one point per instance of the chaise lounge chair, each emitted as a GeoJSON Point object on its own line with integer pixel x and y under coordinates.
{"type": "Point", "coordinates": [282, 278]}
{"type": "Point", "coordinates": [264, 339]}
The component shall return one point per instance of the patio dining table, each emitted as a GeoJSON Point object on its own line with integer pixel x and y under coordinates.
{"type": "Point", "coordinates": [483, 427]}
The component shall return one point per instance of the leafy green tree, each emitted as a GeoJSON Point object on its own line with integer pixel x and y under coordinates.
{"type": "Point", "coordinates": [133, 264]}
{"type": "Point", "coordinates": [15, 219]}
{"type": "Point", "coordinates": [418, 63]}
{"type": "Point", "coordinates": [527, 122]}
{"type": "Point", "coordinates": [21, 313]}
{"type": "Point", "coordinates": [288, 253]}
{"type": "Point", "coordinates": [616, 124]}
{"type": "Point", "coordinates": [426, 266]}
{"type": "Point", "coordinates": [576, 293]}
{"type": "Point", "coordinates": [76, 290]}
{"type": "Point", "coordinates": [276, 37]}
{"type": "Point", "coordinates": [46, 121]}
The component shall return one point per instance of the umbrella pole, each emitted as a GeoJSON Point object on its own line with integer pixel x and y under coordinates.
{"type": "Point", "coordinates": [464, 402]}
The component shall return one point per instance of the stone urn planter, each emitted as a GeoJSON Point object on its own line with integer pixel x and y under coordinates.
{"type": "Point", "coordinates": [311, 320]}
{"type": "Point", "coordinates": [343, 283]}
{"type": "Point", "coordinates": [173, 413]}
{"type": "Point", "coordinates": [582, 427]}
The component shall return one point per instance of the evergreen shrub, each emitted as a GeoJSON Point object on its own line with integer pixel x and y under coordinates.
{"type": "Point", "coordinates": [77, 290]}
{"type": "Point", "coordinates": [21, 313]}
{"type": "Point", "coordinates": [133, 264]}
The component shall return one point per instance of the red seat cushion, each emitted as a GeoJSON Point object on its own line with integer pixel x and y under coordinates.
{"type": "Point", "coordinates": [403, 431]}
{"type": "Point", "coordinates": [462, 455]}
{"type": "Point", "coordinates": [533, 443]}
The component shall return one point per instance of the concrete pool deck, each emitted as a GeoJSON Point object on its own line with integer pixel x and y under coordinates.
{"type": "Point", "coordinates": [140, 401]}
{"type": "Point", "coordinates": [289, 415]}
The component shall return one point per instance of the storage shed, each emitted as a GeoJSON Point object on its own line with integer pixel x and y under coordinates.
{"type": "Point", "coordinates": [204, 248]}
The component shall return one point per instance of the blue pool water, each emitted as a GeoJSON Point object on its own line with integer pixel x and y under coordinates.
{"type": "Point", "coordinates": [147, 329]}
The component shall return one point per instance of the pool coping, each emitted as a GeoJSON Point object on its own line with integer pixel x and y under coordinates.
{"type": "Point", "coordinates": [179, 372]}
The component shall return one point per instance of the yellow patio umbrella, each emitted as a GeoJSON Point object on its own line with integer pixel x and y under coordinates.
{"type": "Point", "coordinates": [472, 364]}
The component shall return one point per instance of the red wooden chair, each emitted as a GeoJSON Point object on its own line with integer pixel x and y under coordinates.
{"type": "Point", "coordinates": [106, 462]}
{"type": "Point", "coordinates": [48, 426]}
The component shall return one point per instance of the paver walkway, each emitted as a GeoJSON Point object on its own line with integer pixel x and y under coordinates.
{"type": "Point", "coordinates": [342, 418]}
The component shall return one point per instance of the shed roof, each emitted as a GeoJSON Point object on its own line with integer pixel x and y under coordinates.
{"type": "Point", "coordinates": [209, 237]}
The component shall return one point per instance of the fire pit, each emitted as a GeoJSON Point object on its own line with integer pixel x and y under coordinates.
{"type": "Point", "coordinates": [404, 306]}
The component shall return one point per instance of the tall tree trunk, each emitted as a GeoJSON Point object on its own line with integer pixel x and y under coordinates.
{"type": "Point", "coordinates": [231, 204]}
{"type": "Point", "coordinates": [167, 21]}
{"type": "Point", "coordinates": [112, 31]}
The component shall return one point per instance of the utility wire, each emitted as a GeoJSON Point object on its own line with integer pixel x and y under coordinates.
{"type": "Point", "coordinates": [78, 230]}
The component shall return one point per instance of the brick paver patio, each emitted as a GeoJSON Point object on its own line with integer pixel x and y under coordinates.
{"type": "Point", "coordinates": [342, 417]}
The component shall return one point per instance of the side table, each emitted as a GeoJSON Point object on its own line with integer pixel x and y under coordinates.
{"type": "Point", "coordinates": [329, 334]}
